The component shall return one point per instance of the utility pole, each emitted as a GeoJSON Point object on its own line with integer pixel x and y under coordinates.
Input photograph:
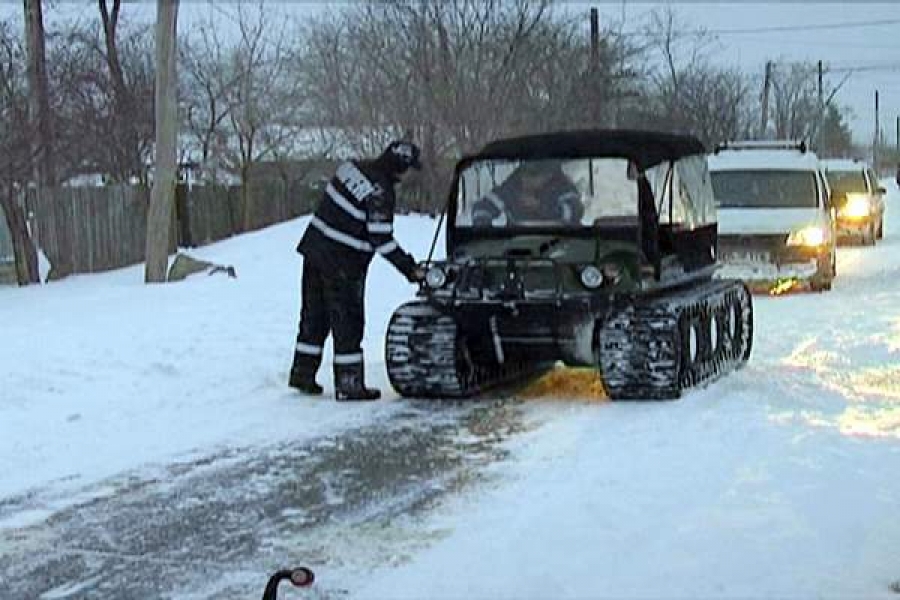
{"type": "Point", "coordinates": [764, 117]}
{"type": "Point", "coordinates": [162, 195]}
{"type": "Point", "coordinates": [898, 138]}
{"type": "Point", "coordinates": [595, 67]}
{"type": "Point", "coordinates": [875, 141]}
{"type": "Point", "coordinates": [818, 139]}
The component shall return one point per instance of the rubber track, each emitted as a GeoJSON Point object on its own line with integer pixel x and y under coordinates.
{"type": "Point", "coordinates": [655, 349]}
{"type": "Point", "coordinates": [427, 359]}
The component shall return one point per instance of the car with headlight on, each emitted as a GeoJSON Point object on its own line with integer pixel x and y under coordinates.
{"type": "Point", "coordinates": [858, 199]}
{"type": "Point", "coordinates": [594, 248]}
{"type": "Point", "coordinates": [776, 220]}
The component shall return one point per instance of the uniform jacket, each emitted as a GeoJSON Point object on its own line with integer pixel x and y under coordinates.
{"type": "Point", "coordinates": [355, 220]}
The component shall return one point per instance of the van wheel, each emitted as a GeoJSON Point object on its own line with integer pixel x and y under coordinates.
{"type": "Point", "coordinates": [868, 238]}
{"type": "Point", "coordinates": [821, 285]}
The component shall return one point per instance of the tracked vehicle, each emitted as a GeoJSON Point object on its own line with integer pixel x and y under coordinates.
{"type": "Point", "coordinates": [606, 261]}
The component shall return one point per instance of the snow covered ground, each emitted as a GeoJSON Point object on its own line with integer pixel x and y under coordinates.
{"type": "Point", "coordinates": [780, 480]}
{"type": "Point", "coordinates": [100, 373]}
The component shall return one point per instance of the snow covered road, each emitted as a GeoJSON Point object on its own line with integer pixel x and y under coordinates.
{"type": "Point", "coordinates": [213, 527]}
{"type": "Point", "coordinates": [150, 427]}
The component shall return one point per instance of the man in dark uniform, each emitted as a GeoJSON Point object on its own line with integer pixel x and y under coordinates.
{"type": "Point", "coordinates": [536, 191]}
{"type": "Point", "coordinates": [354, 220]}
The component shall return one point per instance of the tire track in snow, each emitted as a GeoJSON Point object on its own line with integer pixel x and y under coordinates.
{"type": "Point", "coordinates": [217, 526]}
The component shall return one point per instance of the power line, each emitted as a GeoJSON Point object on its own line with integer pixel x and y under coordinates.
{"type": "Point", "coordinates": [820, 43]}
{"type": "Point", "coordinates": [776, 29]}
{"type": "Point", "coordinates": [847, 25]}
{"type": "Point", "coordinates": [857, 69]}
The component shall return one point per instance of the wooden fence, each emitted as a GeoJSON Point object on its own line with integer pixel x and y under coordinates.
{"type": "Point", "coordinates": [6, 247]}
{"type": "Point", "coordinates": [91, 229]}
{"type": "Point", "coordinates": [210, 213]}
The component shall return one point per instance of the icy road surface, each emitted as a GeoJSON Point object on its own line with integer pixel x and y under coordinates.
{"type": "Point", "coordinates": [149, 449]}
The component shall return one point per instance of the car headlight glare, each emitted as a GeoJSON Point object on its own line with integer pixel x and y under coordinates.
{"type": "Point", "coordinates": [435, 277]}
{"type": "Point", "coordinates": [808, 236]}
{"type": "Point", "coordinates": [856, 207]}
{"type": "Point", "coordinates": [591, 277]}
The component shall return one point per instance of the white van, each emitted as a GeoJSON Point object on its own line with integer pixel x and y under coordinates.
{"type": "Point", "coordinates": [776, 222]}
{"type": "Point", "coordinates": [858, 199]}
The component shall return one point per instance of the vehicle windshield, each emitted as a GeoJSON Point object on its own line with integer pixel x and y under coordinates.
{"type": "Point", "coordinates": [546, 193]}
{"type": "Point", "coordinates": [846, 182]}
{"type": "Point", "coordinates": [764, 189]}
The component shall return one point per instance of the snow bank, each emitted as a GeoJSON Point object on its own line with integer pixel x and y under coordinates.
{"type": "Point", "coordinates": [101, 373]}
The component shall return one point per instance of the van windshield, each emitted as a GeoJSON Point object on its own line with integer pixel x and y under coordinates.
{"type": "Point", "coordinates": [764, 189]}
{"type": "Point", "coordinates": [847, 182]}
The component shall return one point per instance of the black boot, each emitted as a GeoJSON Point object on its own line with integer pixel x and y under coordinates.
{"type": "Point", "coordinates": [349, 386]}
{"type": "Point", "coordinates": [303, 375]}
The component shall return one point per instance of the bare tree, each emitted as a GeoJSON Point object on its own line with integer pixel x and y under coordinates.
{"type": "Point", "coordinates": [243, 104]}
{"type": "Point", "coordinates": [263, 101]}
{"type": "Point", "coordinates": [205, 105]}
{"type": "Point", "coordinates": [39, 99]}
{"type": "Point", "coordinates": [44, 166]}
{"type": "Point", "coordinates": [681, 68]}
{"type": "Point", "coordinates": [795, 100]}
{"type": "Point", "coordinates": [127, 161]}
{"type": "Point", "coordinates": [15, 153]}
{"type": "Point", "coordinates": [162, 198]}
{"type": "Point", "coordinates": [453, 75]}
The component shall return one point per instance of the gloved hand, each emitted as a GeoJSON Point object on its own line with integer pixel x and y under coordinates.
{"type": "Point", "coordinates": [417, 275]}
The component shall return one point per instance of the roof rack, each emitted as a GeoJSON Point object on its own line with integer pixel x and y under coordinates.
{"type": "Point", "coordinates": [763, 145]}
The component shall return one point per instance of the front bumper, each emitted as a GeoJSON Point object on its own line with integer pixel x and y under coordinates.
{"type": "Point", "coordinates": [854, 227]}
{"type": "Point", "coordinates": [767, 259]}
{"type": "Point", "coordinates": [512, 310]}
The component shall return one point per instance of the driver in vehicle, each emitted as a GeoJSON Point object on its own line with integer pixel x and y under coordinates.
{"type": "Point", "coordinates": [536, 191]}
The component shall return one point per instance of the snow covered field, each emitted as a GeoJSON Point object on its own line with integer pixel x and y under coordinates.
{"type": "Point", "coordinates": [781, 480]}
{"type": "Point", "coordinates": [101, 373]}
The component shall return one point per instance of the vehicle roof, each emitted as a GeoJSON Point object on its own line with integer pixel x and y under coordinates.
{"type": "Point", "coordinates": [768, 160]}
{"type": "Point", "coordinates": [646, 148]}
{"type": "Point", "coordinates": [843, 164]}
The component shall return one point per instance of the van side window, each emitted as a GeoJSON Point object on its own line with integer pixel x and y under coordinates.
{"type": "Point", "coordinates": [873, 181]}
{"type": "Point", "coordinates": [823, 191]}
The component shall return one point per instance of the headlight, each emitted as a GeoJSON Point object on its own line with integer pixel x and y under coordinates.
{"type": "Point", "coordinates": [591, 277]}
{"type": "Point", "coordinates": [808, 236]}
{"type": "Point", "coordinates": [435, 277]}
{"type": "Point", "coordinates": [857, 207]}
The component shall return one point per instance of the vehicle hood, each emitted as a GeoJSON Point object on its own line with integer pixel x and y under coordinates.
{"type": "Point", "coordinates": [768, 220]}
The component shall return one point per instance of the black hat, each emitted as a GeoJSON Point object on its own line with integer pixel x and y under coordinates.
{"type": "Point", "coordinates": [402, 155]}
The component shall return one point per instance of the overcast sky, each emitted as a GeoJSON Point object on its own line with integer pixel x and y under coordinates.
{"type": "Point", "coordinates": [871, 50]}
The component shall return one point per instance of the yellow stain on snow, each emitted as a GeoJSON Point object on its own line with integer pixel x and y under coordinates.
{"type": "Point", "coordinates": [567, 383]}
{"type": "Point", "coordinates": [780, 287]}
{"type": "Point", "coordinates": [784, 286]}
{"type": "Point", "coordinates": [882, 422]}
{"type": "Point", "coordinates": [883, 382]}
